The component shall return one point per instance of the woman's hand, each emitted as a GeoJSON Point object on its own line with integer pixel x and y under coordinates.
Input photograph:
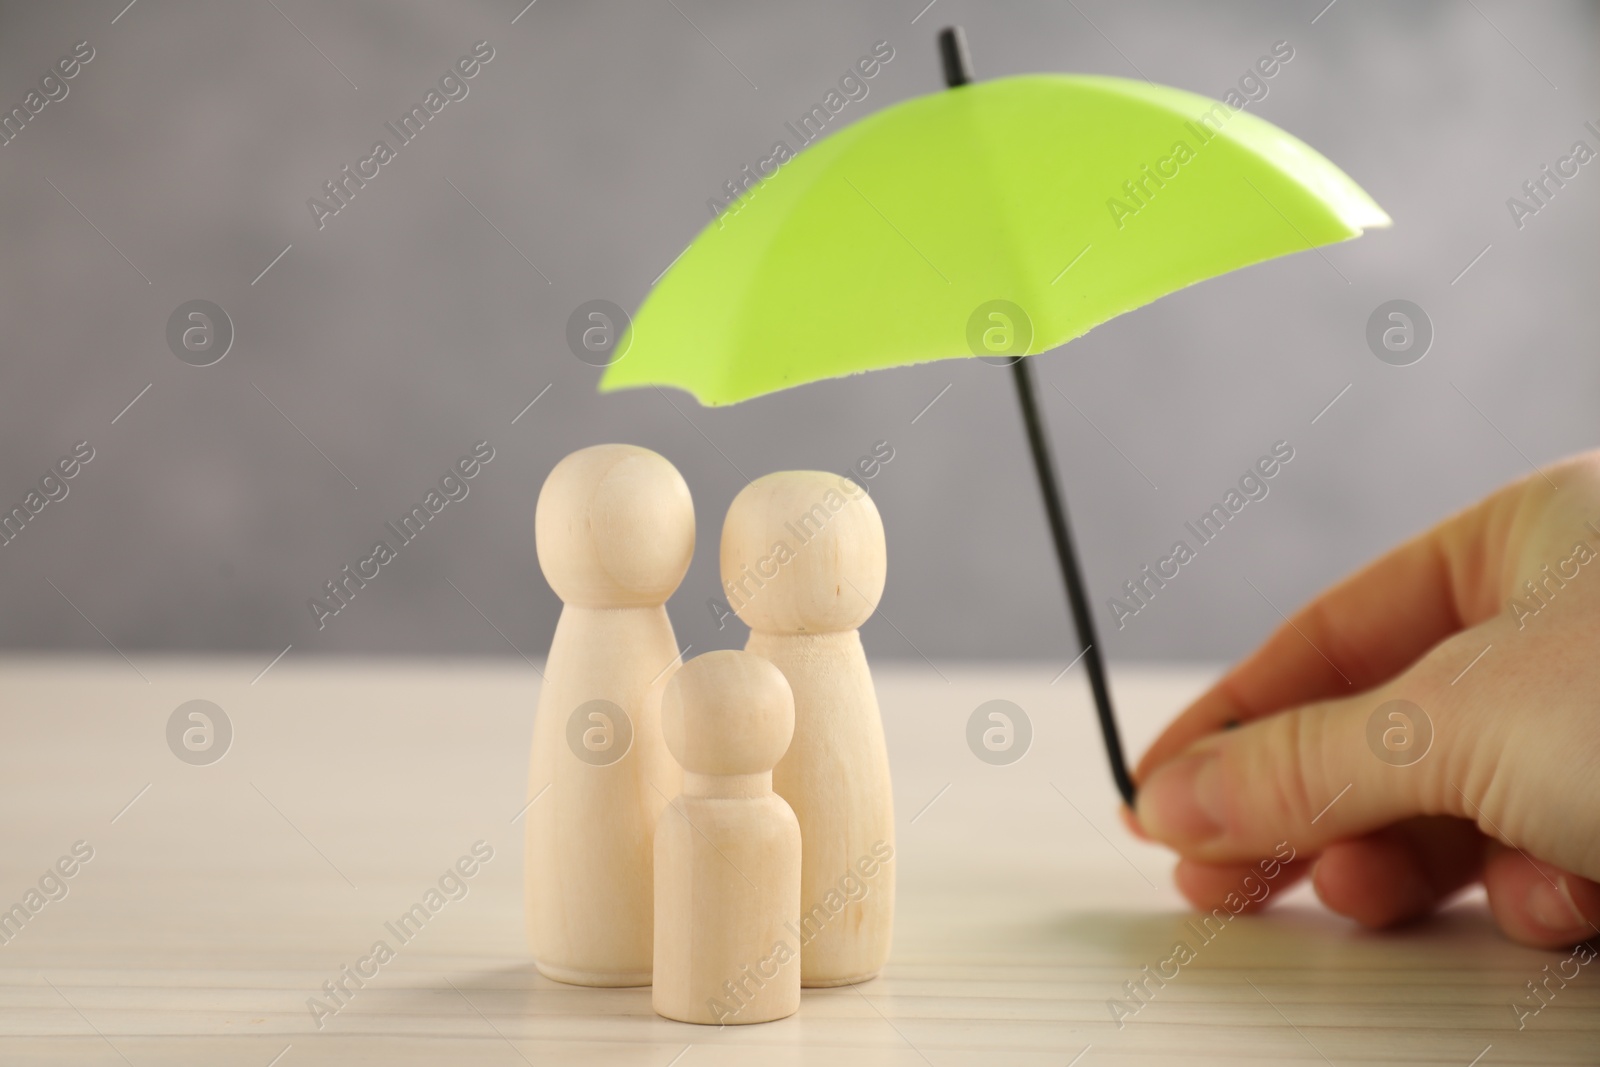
{"type": "Point", "coordinates": [1485, 631]}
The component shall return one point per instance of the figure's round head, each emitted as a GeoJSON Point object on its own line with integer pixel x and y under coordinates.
{"type": "Point", "coordinates": [614, 527]}
{"type": "Point", "coordinates": [727, 712]}
{"type": "Point", "coordinates": [803, 552]}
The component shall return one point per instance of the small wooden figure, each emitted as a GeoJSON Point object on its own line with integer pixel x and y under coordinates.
{"type": "Point", "coordinates": [615, 531]}
{"type": "Point", "coordinates": [803, 564]}
{"type": "Point", "coordinates": [727, 851]}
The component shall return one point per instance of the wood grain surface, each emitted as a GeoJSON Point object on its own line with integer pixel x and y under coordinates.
{"type": "Point", "coordinates": [219, 899]}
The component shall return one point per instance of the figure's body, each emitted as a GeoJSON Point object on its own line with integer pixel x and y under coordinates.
{"type": "Point", "coordinates": [615, 531]}
{"type": "Point", "coordinates": [803, 564]}
{"type": "Point", "coordinates": [727, 850]}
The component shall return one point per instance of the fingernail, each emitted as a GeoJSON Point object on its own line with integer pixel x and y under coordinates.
{"type": "Point", "coordinates": [1552, 907]}
{"type": "Point", "coordinates": [1181, 804]}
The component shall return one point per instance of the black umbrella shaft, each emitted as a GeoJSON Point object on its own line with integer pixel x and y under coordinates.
{"type": "Point", "coordinates": [1066, 555]}
{"type": "Point", "coordinates": [953, 55]}
{"type": "Point", "coordinates": [958, 72]}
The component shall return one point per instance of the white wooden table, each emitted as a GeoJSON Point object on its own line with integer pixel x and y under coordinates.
{"type": "Point", "coordinates": [222, 897]}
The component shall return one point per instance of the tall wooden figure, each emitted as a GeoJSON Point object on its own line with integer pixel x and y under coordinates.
{"type": "Point", "coordinates": [803, 564]}
{"type": "Point", "coordinates": [615, 530]}
{"type": "Point", "coordinates": [728, 849]}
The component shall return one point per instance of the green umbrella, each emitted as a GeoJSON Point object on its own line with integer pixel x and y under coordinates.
{"type": "Point", "coordinates": [998, 219]}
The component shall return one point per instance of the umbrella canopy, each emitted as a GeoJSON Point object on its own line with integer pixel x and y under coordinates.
{"type": "Point", "coordinates": [1071, 199]}
{"type": "Point", "coordinates": [934, 230]}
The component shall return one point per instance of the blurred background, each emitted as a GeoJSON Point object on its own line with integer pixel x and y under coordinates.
{"type": "Point", "coordinates": [371, 352]}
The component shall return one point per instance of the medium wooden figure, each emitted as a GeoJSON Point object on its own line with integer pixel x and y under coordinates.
{"type": "Point", "coordinates": [803, 564]}
{"type": "Point", "coordinates": [727, 851]}
{"type": "Point", "coordinates": [615, 531]}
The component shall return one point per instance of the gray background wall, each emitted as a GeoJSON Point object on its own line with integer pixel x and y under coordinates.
{"type": "Point", "coordinates": [408, 328]}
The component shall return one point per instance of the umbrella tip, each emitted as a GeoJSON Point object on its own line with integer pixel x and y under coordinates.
{"type": "Point", "coordinates": [953, 54]}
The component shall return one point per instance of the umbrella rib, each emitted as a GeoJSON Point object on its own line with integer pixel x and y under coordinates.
{"type": "Point", "coordinates": [897, 229]}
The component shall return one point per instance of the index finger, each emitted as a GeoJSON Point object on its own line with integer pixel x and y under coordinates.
{"type": "Point", "coordinates": [1364, 631]}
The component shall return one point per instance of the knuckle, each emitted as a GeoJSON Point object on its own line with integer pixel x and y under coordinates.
{"type": "Point", "coordinates": [1449, 718]}
{"type": "Point", "coordinates": [1338, 642]}
{"type": "Point", "coordinates": [1284, 771]}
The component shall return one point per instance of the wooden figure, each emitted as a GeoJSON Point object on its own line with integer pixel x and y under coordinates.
{"type": "Point", "coordinates": [615, 531]}
{"type": "Point", "coordinates": [727, 851]}
{"type": "Point", "coordinates": [803, 564]}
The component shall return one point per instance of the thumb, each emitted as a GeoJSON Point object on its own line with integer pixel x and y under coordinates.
{"type": "Point", "coordinates": [1320, 773]}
